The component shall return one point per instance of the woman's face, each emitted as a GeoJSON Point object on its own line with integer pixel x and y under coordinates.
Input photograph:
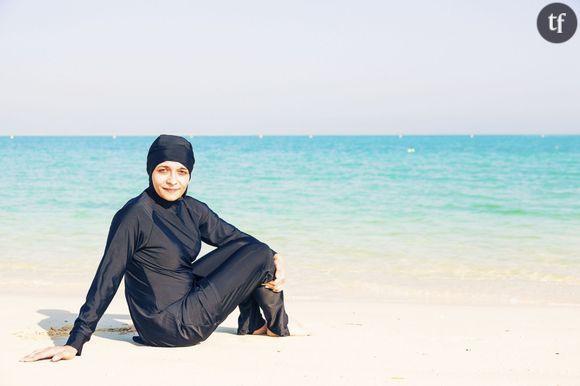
{"type": "Point", "coordinates": [170, 180]}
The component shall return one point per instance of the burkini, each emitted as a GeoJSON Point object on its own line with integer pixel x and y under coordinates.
{"type": "Point", "coordinates": [175, 300]}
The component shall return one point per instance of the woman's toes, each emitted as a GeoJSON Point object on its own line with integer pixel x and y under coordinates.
{"type": "Point", "coordinates": [270, 333]}
{"type": "Point", "coordinates": [261, 330]}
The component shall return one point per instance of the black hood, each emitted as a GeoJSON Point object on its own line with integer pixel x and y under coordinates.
{"type": "Point", "coordinates": [169, 148]}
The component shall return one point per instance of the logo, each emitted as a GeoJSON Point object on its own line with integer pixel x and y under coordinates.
{"type": "Point", "coordinates": [557, 23]}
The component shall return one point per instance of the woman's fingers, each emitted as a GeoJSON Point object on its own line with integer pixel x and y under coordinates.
{"type": "Point", "coordinates": [36, 354]}
{"type": "Point", "coordinates": [275, 285]}
{"type": "Point", "coordinates": [279, 280]}
{"type": "Point", "coordinates": [39, 354]}
{"type": "Point", "coordinates": [56, 353]}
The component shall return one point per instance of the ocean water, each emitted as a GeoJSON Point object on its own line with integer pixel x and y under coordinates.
{"type": "Point", "coordinates": [375, 214]}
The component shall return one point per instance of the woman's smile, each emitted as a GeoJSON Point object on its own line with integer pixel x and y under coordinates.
{"type": "Point", "coordinates": [170, 180]}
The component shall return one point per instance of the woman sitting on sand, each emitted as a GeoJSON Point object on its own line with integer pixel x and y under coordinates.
{"type": "Point", "coordinates": [173, 301]}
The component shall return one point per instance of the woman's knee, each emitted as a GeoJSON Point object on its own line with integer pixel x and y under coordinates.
{"type": "Point", "coordinates": [260, 252]}
{"type": "Point", "coordinates": [256, 247]}
{"type": "Point", "coordinates": [263, 249]}
{"type": "Point", "coordinates": [239, 243]}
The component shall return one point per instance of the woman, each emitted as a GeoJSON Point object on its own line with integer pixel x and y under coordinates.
{"type": "Point", "coordinates": [174, 301]}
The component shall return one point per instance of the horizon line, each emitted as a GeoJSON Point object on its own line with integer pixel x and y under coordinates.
{"type": "Point", "coordinates": [113, 135]}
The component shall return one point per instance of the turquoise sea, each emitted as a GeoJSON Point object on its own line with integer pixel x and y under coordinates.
{"type": "Point", "coordinates": [383, 216]}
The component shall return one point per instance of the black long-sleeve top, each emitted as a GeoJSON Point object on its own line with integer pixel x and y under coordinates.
{"type": "Point", "coordinates": [152, 242]}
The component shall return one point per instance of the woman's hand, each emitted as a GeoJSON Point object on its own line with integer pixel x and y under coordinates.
{"type": "Point", "coordinates": [56, 353]}
{"type": "Point", "coordinates": [277, 284]}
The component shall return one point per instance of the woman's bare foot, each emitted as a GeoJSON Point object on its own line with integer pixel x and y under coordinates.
{"type": "Point", "coordinates": [261, 331]}
{"type": "Point", "coordinates": [270, 333]}
{"type": "Point", "coordinates": [265, 331]}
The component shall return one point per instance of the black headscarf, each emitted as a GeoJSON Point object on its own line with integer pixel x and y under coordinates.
{"type": "Point", "coordinates": [170, 148]}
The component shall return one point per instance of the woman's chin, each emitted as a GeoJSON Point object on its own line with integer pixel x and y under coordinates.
{"type": "Point", "coordinates": [171, 196]}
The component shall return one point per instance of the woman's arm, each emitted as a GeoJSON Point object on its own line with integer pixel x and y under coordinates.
{"type": "Point", "coordinates": [216, 231]}
{"type": "Point", "coordinates": [277, 285]}
{"type": "Point", "coordinates": [123, 240]}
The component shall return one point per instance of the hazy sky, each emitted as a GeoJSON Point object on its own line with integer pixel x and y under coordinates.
{"type": "Point", "coordinates": [284, 67]}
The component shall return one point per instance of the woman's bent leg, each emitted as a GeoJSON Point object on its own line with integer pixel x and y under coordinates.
{"type": "Point", "coordinates": [250, 318]}
{"type": "Point", "coordinates": [216, 295]}
{"type": "Point", "coordinates": [204, 266]}
{"type": "Point", "coordinates": [272, 304]}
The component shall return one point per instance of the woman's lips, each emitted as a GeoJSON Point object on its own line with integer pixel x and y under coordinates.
{"type": "Point", "coordinates": [171, 190]}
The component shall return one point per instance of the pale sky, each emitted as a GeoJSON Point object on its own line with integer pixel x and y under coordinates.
{"type": "Point", "coordinates": [284, 67]}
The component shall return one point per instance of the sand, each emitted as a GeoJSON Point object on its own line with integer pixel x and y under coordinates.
{"type": "Point", "coordinates": [340, 343]}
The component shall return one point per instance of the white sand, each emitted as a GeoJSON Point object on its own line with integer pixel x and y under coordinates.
{"type": "Point", "coordinates": [354, 343]}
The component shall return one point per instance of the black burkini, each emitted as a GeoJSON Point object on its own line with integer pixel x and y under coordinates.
{"type": "Point", "coordinates": [174, 301]}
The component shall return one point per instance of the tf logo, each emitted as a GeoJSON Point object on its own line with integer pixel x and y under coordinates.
{"type": "Point", "coordinates": [557, 22]}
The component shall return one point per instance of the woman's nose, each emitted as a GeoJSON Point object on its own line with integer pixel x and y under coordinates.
{"type": "Point", "coordinates": [172, 178]}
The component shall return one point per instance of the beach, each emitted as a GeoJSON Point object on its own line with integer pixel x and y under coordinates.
{"type": "Point", "coordinates": [363, 343]}
{"type": "Point", "coordinates": [415, 164]}
{"type": "Point", "coordinates": [454, 264]}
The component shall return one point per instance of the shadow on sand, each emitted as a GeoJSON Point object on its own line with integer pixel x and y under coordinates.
{"type": "Point", "coordinates": [58, 324]}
